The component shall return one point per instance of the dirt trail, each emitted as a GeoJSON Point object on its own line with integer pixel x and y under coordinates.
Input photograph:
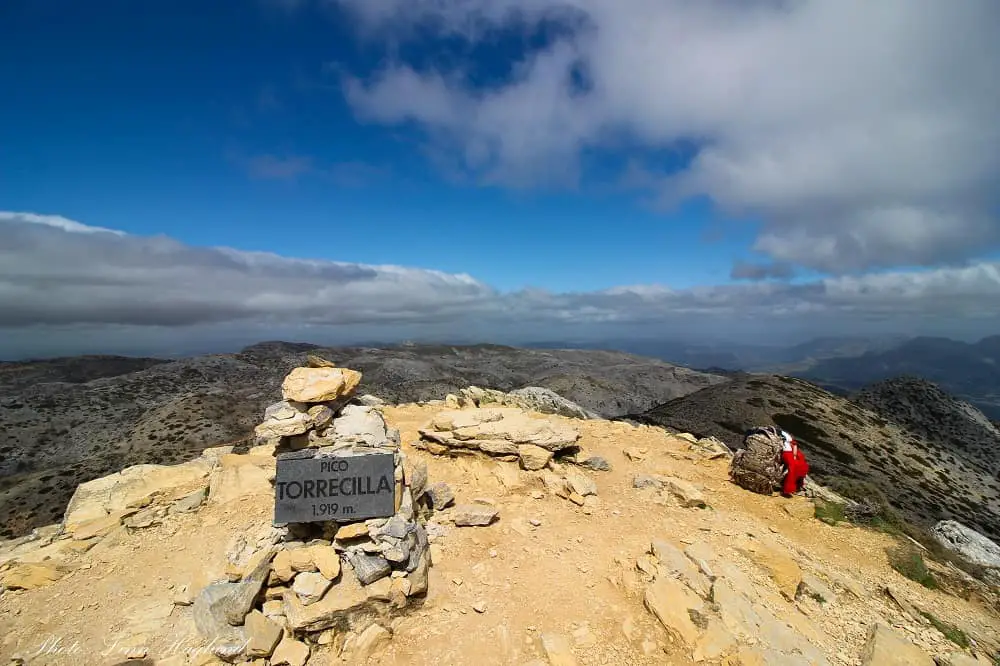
{"type": "Point", "coordinates": [546, 566]}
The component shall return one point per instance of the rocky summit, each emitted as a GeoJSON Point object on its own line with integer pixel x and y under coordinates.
{"type": "Point", "coordinates": [68, 421]}
{"type": "Point", "coordinates": [516, 537]}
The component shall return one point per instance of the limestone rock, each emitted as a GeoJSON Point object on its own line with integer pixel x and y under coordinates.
{"type": "Point", "coordinates": [352, 531]}
{"type": "Point", "coordinates": [358, 424]}
{"type": "Point", "coordinates": [368, 400]}
{"type": "Point", "coordinates": [468, 428]}
{"type": "Point", "coordinates": [222, 604]}
{"type": "Point", "coordinates": [418, 577]}
{"type": "Point", "coordinates": [546, 401]}
{"type": "Point", "coordinates": [262, 635]}
{"type": "Point", "coordinates": [716, 642]}
{"type": "Point", "coordinates": [319, 384]}
{"type": "Point", "coordinates": [580, 483]}
{"type": "Point", "coordinates": [415, 474]}
{"type": "Point", "coordinates": [28, 576]}
{"type": "Point", "coordinates": [234, 482]}
{"type": "Point", "coordinates": [310, 587]}
{"type": "Point", "coordinates": [968, 543]}
{"type": "Point", "coordinates": [558, 650]}
{"type": "Point", "coordinates": [533, 457]}
{"type": "Point", "coordinates": [674, 604]}
{"type": "Point", "coordinates": [290, 652]}
{"type": "Point", "coordinates": [284, 419]}
{"type": "Point", "coordinates": [782, 569]}
{"type": "Point", "coordinates": [99, 527]}
{"type": "Point", "coordinates": [646, 481]}
{"type": "Point", "coordinates": [368, 568]}
{"type": "Point", "coordinates": [290, 561]}
{"type": "Point", "coordinates": [676, 564]}
{"type": "Point", "coordinates": [362, 647]}
{"type": "Point", "coordinates": [190, 502]}
{"type": "Point", "coordinates": [885, 647]}
{"type": "Point", "coordinates": [684, 491]}
{"type": "Point", "coordinates": [812, 586]}
{"type": "Point", "coordinates": [350, 604]}
{"type": "Point", "coordinates": [596, 463]}
{"type": "Point", "coordinates": [134, 487]}
{"type": "Point", "coordinates": [440, 494]}
{"type": "Point", "coordinates": [474, 515]}
{"type": "Point", "coordinates": [745, 618]}
{"type": "Point", "coordinates": [326, 559]}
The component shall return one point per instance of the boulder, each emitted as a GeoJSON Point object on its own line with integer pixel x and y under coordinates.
{"type": "Point", "coordinates": [580, 483]}
{"type": "Point", "coordinates": [319, 384]}
{"type": "Point", "coordinates": [596, 463]}
{"type": "Point", "coordinates": [440, 495]}
{"type": "Point", "coordinates": [310, 587]}
{"type": "Point", "coordinates": [285, 419]}
{"type": "Point", "coordinates": [358, 424]}
{"type": "Point", "coordinates": [360, 648]}
{"type": "Point", "coordinates": [474, 515]}
{"type": "Point", "coordinates": [368, 568]}
{"type": "Point", "coordinates": [502, 429]}
{"type": "Point", "coordinates": [533, 457]}
{"type": "Point", "coordinates": [968, 543]}
{"type": "Point", "coordinates": [885, 647]}
{"type": "Point", "coordinates": [547, 401]}
{"type": "Point", "coordinates": [684, 491]}
{"type": "Point", "coordinates": [134, 487]}
{"type": "Point", "coordinates": [262, 635]}
{"type": "Point", "coordinates": [223, 604]}
{"type": "Point", "coordinates": [290, 652]}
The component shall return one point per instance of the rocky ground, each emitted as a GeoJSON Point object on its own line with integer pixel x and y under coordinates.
{"type": "Point", "coordinates": [928, 474]}
{"type": "Point", "coordinates": [66, 421]}
{"type": "Point", "coordinates": [684, 566]}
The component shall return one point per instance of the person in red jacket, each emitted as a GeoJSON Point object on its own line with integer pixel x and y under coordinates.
{"type": "Point", "coordinates": [795, 464]}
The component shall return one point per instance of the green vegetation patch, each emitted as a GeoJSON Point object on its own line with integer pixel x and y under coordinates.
{"type": "Point", "coordinates": [952, 633]}
{"type": "Point", "coordinates": [910, 563]}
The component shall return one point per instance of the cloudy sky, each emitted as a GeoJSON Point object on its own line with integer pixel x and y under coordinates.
{"type": "Point", "coordinates": [179, 176]}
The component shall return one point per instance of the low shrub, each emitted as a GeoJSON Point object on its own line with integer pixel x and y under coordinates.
{"type": "Point", "coordinates": [910, 563]}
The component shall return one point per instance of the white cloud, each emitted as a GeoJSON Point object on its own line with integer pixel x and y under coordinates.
{"type": "Point", "coordinates": [862, 134]}
{"type": "Point", "coordinates": [57, 276]}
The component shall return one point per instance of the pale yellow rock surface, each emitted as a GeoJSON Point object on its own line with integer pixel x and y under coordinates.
{"type": "Point", "coordinates": [311, 385]}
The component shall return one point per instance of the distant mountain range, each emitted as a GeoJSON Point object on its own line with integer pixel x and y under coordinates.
{"type": "Point", "coordinates": [843, 365]}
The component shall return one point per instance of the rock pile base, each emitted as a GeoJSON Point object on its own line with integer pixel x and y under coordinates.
{"type": "Point", "coordinates": [320, 582]}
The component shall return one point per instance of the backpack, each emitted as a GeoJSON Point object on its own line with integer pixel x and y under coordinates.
{"type": "Point", "coordinates": [757, 466]}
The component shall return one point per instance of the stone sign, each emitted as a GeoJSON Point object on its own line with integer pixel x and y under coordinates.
{"type": "Point", "coordinates": [338, 487]}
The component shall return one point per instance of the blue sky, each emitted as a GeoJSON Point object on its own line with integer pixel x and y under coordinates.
{"type": "Point", "coordinates": [220, 124]}
{"type": "Point", "coordinates": [669, 167]}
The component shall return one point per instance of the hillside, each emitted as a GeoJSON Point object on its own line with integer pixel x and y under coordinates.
{"type": "Point", "coordinates": [66, 421]}
{"type": "Point", "coordinates": [621, 580]}
{"type": "Point", "coordinates": [925, 479]}
{"type": "Point", "coordinates": [970, 372]}
{"type": "Point", "coordinates": [925, 409]}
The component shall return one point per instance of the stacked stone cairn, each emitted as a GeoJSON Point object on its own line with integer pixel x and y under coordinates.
{"type": "Point", "coordinates": [323, 583]}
